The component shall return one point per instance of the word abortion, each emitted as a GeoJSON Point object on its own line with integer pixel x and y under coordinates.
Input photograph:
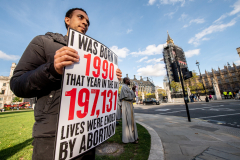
{"type": "Point", "coordinates": [99, 129]}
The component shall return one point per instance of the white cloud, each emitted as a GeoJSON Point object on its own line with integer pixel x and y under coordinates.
{"type": "Point", "coordinates": [197, 21]}
{"type": "Point", "coordinates": [236, 9]}
{"type": "Point", "coordinates": [121, 53]}
{"type": "Point", "coordinates": [152, 70]}
{"type": "Point", "coordinates": [172, 2]}
{"type": "Point", "coordinates": [142, 59]}
{"type": "Point", "coordinates": [220, 18]}
{"type": "Point", "coordinates": [170, 14]}
{"type": "Point", "coordinates": [154, 60]}
{"type": "Point", "coordinates": [150, 50]}
{"type": "Point", "coordinates": [151, 2]}
{"type": "Point", "coordinates": [129, 30]}
{"type": "Point", "coordinates": [183, 17]}
{"type": "Point", "coordinates": [237, 62]}
{"type": "Point", "coordinates": [8, 57]}
{"type": "Point", "coordinates": [191, 53]}
{"type": "Point", "coordinates": [211, 29]}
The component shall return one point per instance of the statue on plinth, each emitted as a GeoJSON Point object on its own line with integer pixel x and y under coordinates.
{"type": "Point", "coordinates": [188, 91]}
{"type": "Point", "coordinates": [169, 98]}
{"type": "Point", "coordinates": [142, 96]}
{"type": "Point", "coordinates": [216, 90]}
{"type": "Point", "coordinates": [156, 94]}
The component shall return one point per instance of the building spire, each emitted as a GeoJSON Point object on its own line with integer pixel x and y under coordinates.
{"type": "Point", "coordinates": [169, 39]}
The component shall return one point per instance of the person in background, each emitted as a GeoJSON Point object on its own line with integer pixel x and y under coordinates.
{"type": "Point", "coordinates": [129, 128]}
{"type": "Point", "coordinates": [230, 94]}
{"type": "Point", "coordinates": [199, 98]}
{"type": "Point", "coordinates": [210, 97]}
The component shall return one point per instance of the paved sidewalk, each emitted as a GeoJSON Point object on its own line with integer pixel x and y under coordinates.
{"type": "Point", "coordinates": [198, 140]}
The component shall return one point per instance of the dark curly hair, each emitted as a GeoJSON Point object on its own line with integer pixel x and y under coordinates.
{"type": "Point", "coordinates": [69, 14]}
{"type": "Point", "coordinates": [124, 79]}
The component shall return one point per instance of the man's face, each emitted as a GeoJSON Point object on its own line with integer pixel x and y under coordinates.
{"type": "Point", "coordinates": [79, 21]}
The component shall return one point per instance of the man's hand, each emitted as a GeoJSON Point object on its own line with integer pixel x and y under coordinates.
{"type": "Point", "coordinates": [65, 56]}
{"type": "Point", "coordinates": [119, 74]}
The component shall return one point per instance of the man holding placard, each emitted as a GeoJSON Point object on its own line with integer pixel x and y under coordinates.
{"type": "Point", "coordinates": [39, 74]}
{"type": "Point", "coordinates": [129, 128]}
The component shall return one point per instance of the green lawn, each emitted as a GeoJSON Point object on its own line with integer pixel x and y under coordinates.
{"type": "Point", "coordinates": [138, 151]}
{"type": "Point", "coordinates": [16, 138]}
{"type": "Point", "coordinates": [16, 134]}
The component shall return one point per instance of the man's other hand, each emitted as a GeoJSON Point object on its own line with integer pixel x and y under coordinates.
{"type": "Point", "coordinates": [119, 74]}
{"type": "Point", "coordinates": [65, 56]}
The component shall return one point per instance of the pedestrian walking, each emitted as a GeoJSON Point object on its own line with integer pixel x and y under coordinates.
{"type": "Point", "coordinates": [225, 94]}
{"type": "Point", "coordinates": [129, 128]}
{"type": "Point", "coordinates": [210, 97]}
{"type": "Point", "coordinates": [230, 94]}
{"type": "Point", "coordinates": [199, 98]}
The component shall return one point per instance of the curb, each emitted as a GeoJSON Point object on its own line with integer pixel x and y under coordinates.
{"type": "Point", "coordinates": [156, 151]}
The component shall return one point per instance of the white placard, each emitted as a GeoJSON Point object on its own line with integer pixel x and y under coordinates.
{"type": "Point", "coordinates": [87, 115]}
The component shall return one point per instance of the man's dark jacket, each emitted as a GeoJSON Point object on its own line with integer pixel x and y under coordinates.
{"type": "Point", "coordinates": [35, 76]}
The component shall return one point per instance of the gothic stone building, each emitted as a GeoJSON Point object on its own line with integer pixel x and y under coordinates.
{"type": "Point", "coordinates": [228, 78]}
{"type": "Point", "coordinates": [6, 95]}
{"type": "Point", "coordinates": [169, 58]}
{"type": "Point", "coordinates": [144, 85]}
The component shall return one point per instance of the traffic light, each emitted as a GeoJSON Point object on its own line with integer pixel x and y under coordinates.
{"type": "Point", "coordinates": [175, 72]}
{"type": "Point", "coordinates": [186, 73]}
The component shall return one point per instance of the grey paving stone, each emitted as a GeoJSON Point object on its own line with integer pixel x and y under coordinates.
{"type": "Point", "coordinates": [201, 137]}
{"type": "Point", "coordinates": [171, 148]}
{"type": "Point", "coordinates": [192, 150]}
{"type": "Point", "coordinates": [235, 144]}
{"type": "Point", "coordinates": [206, 156]}
{"type": "Point", "coordinates": [172, 139]}
{"type": "Point", "coordinates": [227, 148]}
{"type": "Point", "coordinates": [178, 157]}
{"type": "Point", "coordinates": [221, 154]}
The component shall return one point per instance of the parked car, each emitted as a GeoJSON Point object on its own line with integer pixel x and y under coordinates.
{"type": "Point", "coordinates": [151, 101]}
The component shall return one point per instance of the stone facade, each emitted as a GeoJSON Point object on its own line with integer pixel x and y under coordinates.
{"type": "Point", "coordinates": [144, 85]}
{"type": "Point", "coordinates": [228, 78]}
{"type": "Point", "coordinates": [238, 50]}
{"type": "Point", "coordinates": [6, 95]}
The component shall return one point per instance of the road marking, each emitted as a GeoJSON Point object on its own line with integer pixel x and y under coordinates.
{"type": "Point", "coordinates": [162, 109]}
{"type": "Point", "coordinates": [203, 108]}
{"type": "Point", "coordinates": [219, 115]}
{"type": "Point", "coordinates": [221, 109]}
{"type": "Point", "coordinates": [221, 105]}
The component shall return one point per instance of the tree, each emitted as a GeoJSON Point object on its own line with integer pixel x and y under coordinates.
{"type": "Point", "coordinates": [176, 86]}
{"type": "Point", "coordinates": [17, 99]}
{"type": "Point", "coordinates": [162, 92]}
{"type": "Point", "coordinates": [119, 89]}
{"type": "Point", "coordinates": [140, 95]}
{"type": "Point", "coordinates": [150, 95]}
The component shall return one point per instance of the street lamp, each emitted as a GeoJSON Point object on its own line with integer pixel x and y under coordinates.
{"type": "Point", "coordinates": [197, 63]}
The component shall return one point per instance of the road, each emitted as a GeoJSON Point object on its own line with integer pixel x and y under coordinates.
{"type": "Point", "coordinates": [222, 113]}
